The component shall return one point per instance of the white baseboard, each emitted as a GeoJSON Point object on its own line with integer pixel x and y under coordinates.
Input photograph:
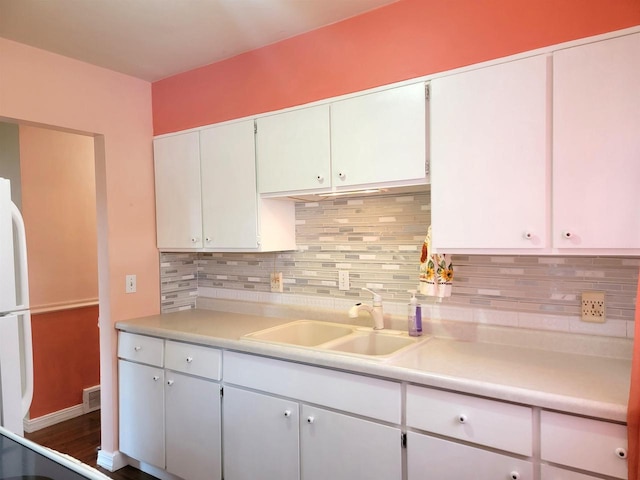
{"type": "Point", "coordinates": [112, 461]}
{"type": "Point", "coordinates": [35, 424]}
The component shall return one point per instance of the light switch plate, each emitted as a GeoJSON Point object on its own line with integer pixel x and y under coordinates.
{"type": "Point", "coordinates": [130, 286]}
{"type": "Point", "coordinates": [592, 307]}
{"type": "Point", "coordinates": [343, 280]}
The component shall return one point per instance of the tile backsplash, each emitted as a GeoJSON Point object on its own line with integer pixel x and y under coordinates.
{"type": "Point", "coordinates": [378, 239]}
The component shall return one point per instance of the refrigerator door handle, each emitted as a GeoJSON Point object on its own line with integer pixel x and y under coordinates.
{"type": "Point", "coordinates": [21, 252]}
{"type": "Point", "coordinates": [23, 304]}
{"type": "Point", "coordinates": [27, 393]}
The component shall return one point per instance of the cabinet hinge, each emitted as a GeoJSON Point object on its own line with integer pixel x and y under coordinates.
{"type": "Point", "coordinates": [255, 127]}
{"type": "Point", "coordinates": [426, 91]}
{"type": "Point", "coordinates": [221, 392]}
{"type": "Point", "coordinates": [403, 440]}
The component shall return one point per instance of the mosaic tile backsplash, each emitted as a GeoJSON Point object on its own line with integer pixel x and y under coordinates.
{"type": "Point", "coordinates": [378, 239]}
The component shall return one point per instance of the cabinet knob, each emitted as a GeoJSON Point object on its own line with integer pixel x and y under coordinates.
{"type": "Point", "coordinates": [169, 382]}
{"type": "Point", "coordinates": [207, 239]}
{"type": "Point", "coordinates": [621, 452]}
{"type": "Point", "coordinates": [311, 419]}
{"type": "Point", "coordinates": [320, 178]}
{"type": "Point", "coordinates": [527, 235]}
{"type": "Point", "coordinates": [462, 418]}
{"type": "Point", "coordinates": [194, 240]}
{"type": "Point", "coordinates": [137, 348]}
{"type": "Point", "coordinates": [342, 175]}
{"type": "Point", "coordinates": [189, 359]}
{"type": "Point", "coordinates": [567, 234]}
{"type": "Point", "coordinates": [156, 378]}
{"type": "Point", "coordinates": [287, 413]}
{"type": "Point", "coordinates": [514, 475]}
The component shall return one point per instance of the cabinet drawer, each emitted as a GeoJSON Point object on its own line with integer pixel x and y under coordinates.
{"type": "Point", "coordinates": [193, 359]}
{"type": "Point", "coordinates": [548, 472]}
{"type": "Point", "coordinates": [584, 443]}
{"type": "Point", "coordinates": [140, 348]}
{"type": "Point", "coordinates": [486, 422]}
{"type": "Point", "coordinates": [430, 458]}
{"type": "Point", "coordinates": [370, 397]}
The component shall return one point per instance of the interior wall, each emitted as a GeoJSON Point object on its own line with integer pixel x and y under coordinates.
{"type": "Point", "coordinates": [403, 40]}
{"type": "Point", "coordinates": [10, 159]}
{"type": "Point", "coordinates": [59, 210]}
{"type": "Point", "coordinates": [39, 87]}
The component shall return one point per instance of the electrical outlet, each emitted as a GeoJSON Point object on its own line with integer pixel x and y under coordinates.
{"type": "Point", "coordinates": [130, 286]}
{"type": "Point", "coordinates": [593, 307]}
{"type": "Point", "coordinates": [276, 282]}
{"type": "Point", "coordinates": [343, 279]}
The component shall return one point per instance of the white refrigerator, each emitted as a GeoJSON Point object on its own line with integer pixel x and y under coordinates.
{"type": "Point", "coordinates": [16, 354]}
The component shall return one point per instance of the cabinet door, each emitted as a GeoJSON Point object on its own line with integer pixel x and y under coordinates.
{"type": "Point", "coordinates": [292, 150]}
{"type": "Point", "coordinates": [548, 472]}
{"type": "Point", "coordinates": [260, 436]}
{"type": "Point", "coordinates": [596, 145]}
{"type": "Point", "coordinates": [489, 157]}
{"type": "Point", "coordinates": [141, 401]}
{"type": "Point", "coordinates": [430, 458]}
{"type": "Point", "coordinates": [379, 137]}
{"type": "Point", "coordinates": [341, 447]}
{"type": "Point", "coordinates": [178, 202]}
{"type": "Point", "coordinates": [192, 423]}
{"type": "Point", "coordinates": [229, 199]}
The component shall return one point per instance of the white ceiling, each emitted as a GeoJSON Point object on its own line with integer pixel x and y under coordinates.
{"type": "Point", "coordinates": [154, 39]}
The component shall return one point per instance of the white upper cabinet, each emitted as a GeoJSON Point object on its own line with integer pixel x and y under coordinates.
{"type": "Point", "coordinates": [489, 156]}
{"type": "Point", "coordinates": [596, 145]}
{"type": "Point", "coordinates": [206, 197]}
{"type": "Point", "coordinates": [178, 200]}
{"type": "Point", "coordinates": [229, 199]}
{"type": "Point", "coordinates": [377, 139]}
{"type": "Point", "coordinates": [293, 150]}
{"type": "Point", "coordinates": [380, 137]}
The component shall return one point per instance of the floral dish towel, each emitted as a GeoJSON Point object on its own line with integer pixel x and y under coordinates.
{"type": "Point", "coordinates": [436, 271]}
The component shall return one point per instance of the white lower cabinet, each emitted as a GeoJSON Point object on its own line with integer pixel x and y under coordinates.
{"type": "Point", "coordinates": [584, 443]}
{"type": "Point", "coordinates": [342, 447]}
{"type": "Point", "coordinates": [192, 427]}
{"type": "Point", "coordinates": [430, 458]}
{"type": "Point", "coordinates": [170, 417]}
{"type": "Point", "coordinates": [260, 436]}
{"type": "Point", "coordinates": [291, 429]}
{"type": "Point", "coordinates": [141, 400]}
{"type": "Point", "coordinates": [547, 472]}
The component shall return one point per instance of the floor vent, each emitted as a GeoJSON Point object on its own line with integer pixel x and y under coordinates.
{"type": "Point", "coordinates": [91, 399]}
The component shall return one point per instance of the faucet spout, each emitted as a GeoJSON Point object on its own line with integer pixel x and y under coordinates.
{"type": "Point", "coordinates": [375, 312]}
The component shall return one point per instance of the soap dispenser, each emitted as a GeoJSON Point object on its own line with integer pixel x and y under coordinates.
{"type": "Point", "coordinates": [411, 317]}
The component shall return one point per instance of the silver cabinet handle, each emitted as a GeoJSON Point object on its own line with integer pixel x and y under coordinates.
{"type": "Point", "coordinates": [287, 413]}
{"type": "Point", "coordinates": [311, 419]}
{"type": "Point", "coordinates": [169, 382]}
{"type": "Point", "coordinates": [189, 359]}
{"type": "Point", "coordinates": [462, 418]}
{"type": "Point", "coordinates": [137, 348]}
{"type": "Point", "coordinates": [514, 475]}
{"type": "Point", "coordinates": [156, 378]}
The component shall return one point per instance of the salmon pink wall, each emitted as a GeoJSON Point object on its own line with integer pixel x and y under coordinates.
{"type": "Point", "coordinates": [403, 40]}
{"type": "Point", "coordinates": [66, 358]}
{"type": "Point", "coordinates": [38, 87]}
{"type": "Point", "coordinates": [59, 210]}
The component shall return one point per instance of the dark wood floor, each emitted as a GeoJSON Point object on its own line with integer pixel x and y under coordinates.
{"type": "Point", "coordinates": [80, 438]}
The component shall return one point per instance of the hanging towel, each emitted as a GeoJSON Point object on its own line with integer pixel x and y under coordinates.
{"type": "Point", "coordinates": [436, 271]}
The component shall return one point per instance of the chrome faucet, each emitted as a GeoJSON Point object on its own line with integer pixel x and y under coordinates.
{"type": "Point", "coordinates": [375, 311]}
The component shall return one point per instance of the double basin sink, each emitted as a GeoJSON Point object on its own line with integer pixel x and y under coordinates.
{"type": "Point", "coordinates": [381, 345]}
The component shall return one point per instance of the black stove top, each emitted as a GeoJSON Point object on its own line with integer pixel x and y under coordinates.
{"type": "Point", "coordinates": [19, 462]}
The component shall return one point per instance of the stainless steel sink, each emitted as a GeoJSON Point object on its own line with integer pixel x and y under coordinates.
{"type": "Point", "coordinates": [339, 338]}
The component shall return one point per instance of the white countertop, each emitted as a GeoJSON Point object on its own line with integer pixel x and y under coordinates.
{"type": "Point", "coordinates": [581, 384]}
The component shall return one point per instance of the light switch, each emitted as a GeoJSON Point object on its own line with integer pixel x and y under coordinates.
{"type": "Point", "coordinates": [130, 284]}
